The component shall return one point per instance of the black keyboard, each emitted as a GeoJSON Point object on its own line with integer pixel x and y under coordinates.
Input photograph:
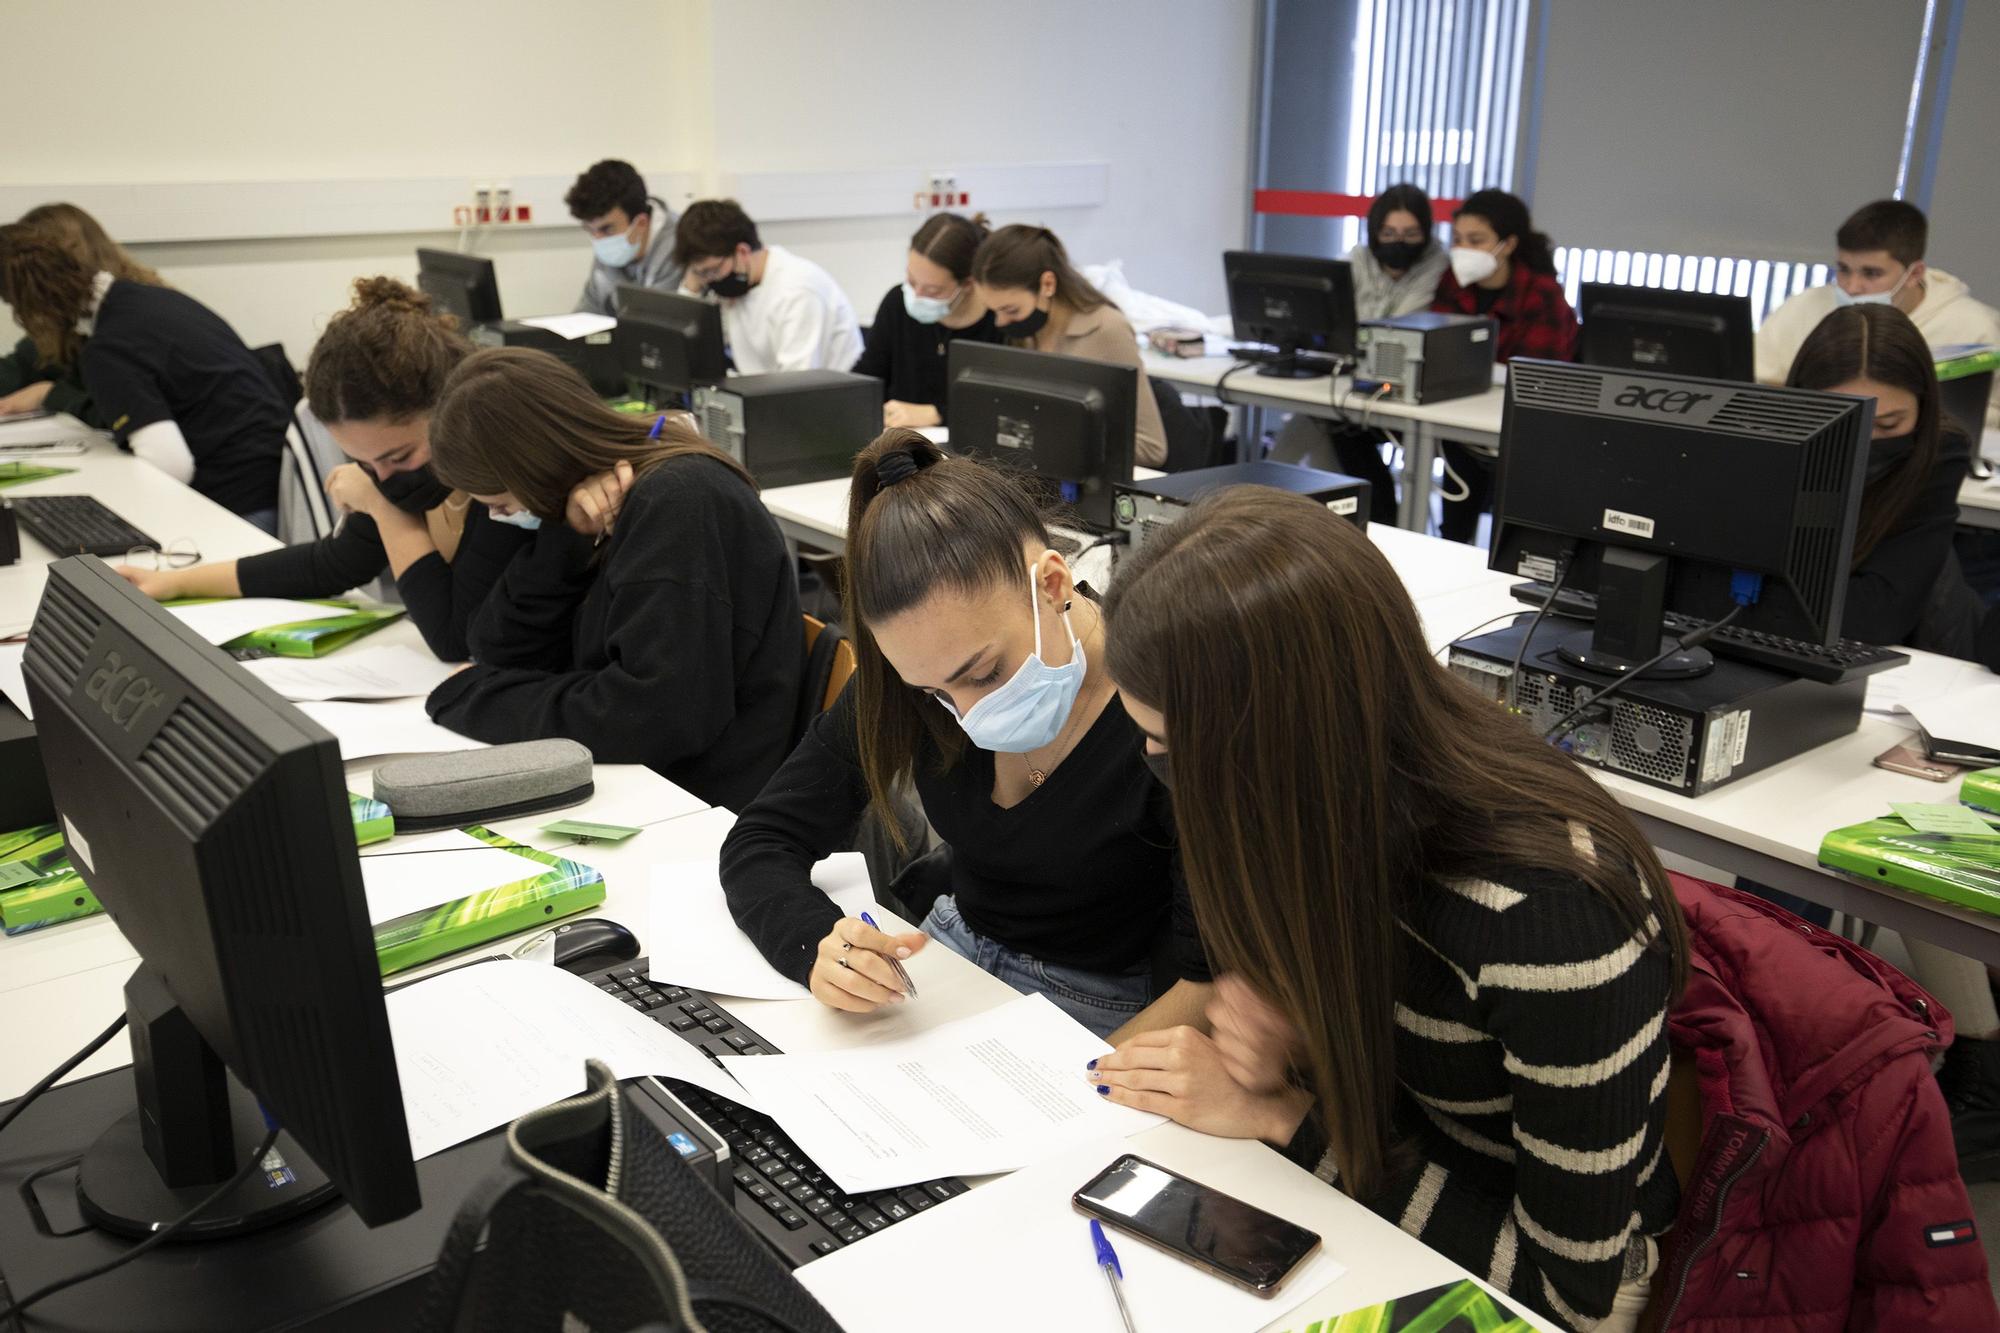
{"type": "Point", "coordinates": [780, 1192]}
{"type": "Point", "coordinates": [1846, 660]}
{"type": "Point", "coordinates": [77, 525]}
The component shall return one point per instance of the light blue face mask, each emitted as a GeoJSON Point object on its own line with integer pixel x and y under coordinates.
{"type": "Point", "coordinates": [616, 250]}
{"type": "Point", "coordinates": [1028, 711]}
{"type": "Point", "coordinates": [520, 518]}
{"type": "Point", "coordinates": [925, 309]}
{"type": "Point", "coordinates": [1841, 296]}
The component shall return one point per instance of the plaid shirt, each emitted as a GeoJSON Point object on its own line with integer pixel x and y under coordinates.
{"type": "Point", "coordinates": [1535, 320]}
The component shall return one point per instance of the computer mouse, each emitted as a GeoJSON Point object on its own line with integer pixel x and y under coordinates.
{"type": "Point", "coordinates": [592, 944]}
{"type": "Point", "coordinates": [1982, 469]}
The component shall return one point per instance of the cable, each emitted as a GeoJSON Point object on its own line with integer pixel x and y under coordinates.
{"type": "Point", "coordinates": [158, 1238]}
{"type": "Point", "coordinates": [1222, 384]}
{"type": "Point", "coordinates": [1569, 721]}
{"type": "Point", "coordinates": [1514, 676]}
{"type": "Point", "coordinates": [1464, 491]}
{"type": "Point", "coordinates": [57, 1074]}
{"type": "Point", "coordinates": [1116, 537]}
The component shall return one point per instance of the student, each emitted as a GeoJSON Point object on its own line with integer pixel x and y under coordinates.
{"type": "Point", "coordinates": [1396, 269]}
{"type": "Point", "coordinates": [1501, 267]}
{"type": "Point", "coordinates": [27, 383]}
{"type": "Point", "coordinates": [1446, 954]}
{"type": "Point", "coordinates": [631, 234]}
{"type": "Point", "coordinates": [1878, 258]}
{"type": "Point", "coordinates": [1039, 300]}
{"type": "Point", "coordinates": [372, 380]}
{"type": "Point", "coordinates": [981, 680]}
{"type": "Point", "coordinates": [910, 341]}
{"type": "Point", "coordinates": [780, 311]}
{"type": "Point", "coordinates": [672, 637]}
{"type": "Point", "coordinates": [177, 385]}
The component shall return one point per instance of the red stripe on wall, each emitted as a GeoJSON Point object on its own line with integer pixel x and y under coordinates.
{"type": "Point", "coordinates": [1321, 204]}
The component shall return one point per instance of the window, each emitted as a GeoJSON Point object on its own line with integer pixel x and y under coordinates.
{"type": "Point", "coordinates": [1768, 284]}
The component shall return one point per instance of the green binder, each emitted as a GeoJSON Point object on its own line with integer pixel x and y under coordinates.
{"type": "Point", "coordinates": [312, 638]}
{"type": "Point", "coordinates": [1956, 361]}
{"type": "Point", "coordinates": [1951, 867]}
{"type": "Point", "coordinates": [1981, 791]}
{"type": "Point", "coordinates": [559, 888]}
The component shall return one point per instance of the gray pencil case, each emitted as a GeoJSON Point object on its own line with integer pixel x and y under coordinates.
{"type": "Point", "coordinates": [472, 786]}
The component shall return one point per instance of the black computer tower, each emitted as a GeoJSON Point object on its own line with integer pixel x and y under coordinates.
{"type": "Point", "coordinates": [1426, 357]}
{"type": "Point", "coordinates": [594, 355]}
{"type": "Point", "coordinates": [793, 426]}
{"type": "Point", "coordinates": [1142, 508]}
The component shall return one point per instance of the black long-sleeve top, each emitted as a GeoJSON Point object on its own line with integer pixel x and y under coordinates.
{"type": "Point", "coordinates": [677, 644]}
{"type": "Point", "coordinates": [1887, 592]}
{"type": "Point", "coordinates": [910, 358]}
{"type": "Point", "coordinates": [442, 596]}
{"type": "Point", "coordinates": [1085, 872]}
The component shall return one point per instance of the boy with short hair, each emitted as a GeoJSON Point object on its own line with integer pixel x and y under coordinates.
{"type": "Point", "coordinates": [631, 234]}
{"type": "Point", "coordinates": [780, 311]}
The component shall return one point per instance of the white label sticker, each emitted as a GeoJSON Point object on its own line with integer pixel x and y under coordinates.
{"type": "Point", "coordinates": [1347, 504]}
{"type": "Point", "coordinates": [78, 847]}
{"type": "Point", "coordinates": [1481, 334]}
{"type": "Point", "coordinates": [1742, 742]}
{"type": "Point", "coordinates": [1618, 521]}
{"type": "Point", "coordinates": [1540, 568]}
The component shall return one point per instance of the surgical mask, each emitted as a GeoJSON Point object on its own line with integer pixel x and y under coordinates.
{"type": "Point", "coordinates": [1886, 455]}
{"type": "Point", "coordinates": [520, 518]}
{"type": "Point", "coordinates": [413, 492]}
{"type": "Point", "coordinates": [1162, 765]}
{"type": "Point", "coordinates": [1027, 326]}
{"type": "Point", "coordinates": [925, 309]}
{"type": "Point", "coordinates": [1398, 255]}
{"type": "Point", "coordinates": [615, 251]}
{"type": "Point", "coordinates": [730, 286]}
{"type": "Point", "coordinates": [1028, 711]}
{"type": "Point", "coordinates": [1469, 265]}
{"type": "Point", "coordinates": [1842, 297]}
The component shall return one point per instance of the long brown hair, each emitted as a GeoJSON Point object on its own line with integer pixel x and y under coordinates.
{"type": "Point", "coordinates": [49, 287]}
{"type": "Point", "coordinates": [386, 357]}
{"type": "Point", "coordinates": [516, 419]}
{"type": "Point", "coordinates": [89, 242]}
{"type": "Point", "coordinates": [1326, 768]}
{"type": "Point", "coordinates": [919, 522]}
{"type": "Point", "coordinates": [1878, 342]}
{"type": "Point", "coordinates": [1016, 257]}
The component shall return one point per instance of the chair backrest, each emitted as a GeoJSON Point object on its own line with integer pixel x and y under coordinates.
{"type": "Point", "coordinates": [304, 514]}
{"type": "Point", "coordinates": [1192, 438]}
{"type": "Point", "coordinates": [829, 666]}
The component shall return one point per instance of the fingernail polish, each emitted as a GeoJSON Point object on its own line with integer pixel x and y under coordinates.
{"type": "Point", "coordinates": [1103, 1090]}
{"type": "Point", "coordinates": [1091, 1065]}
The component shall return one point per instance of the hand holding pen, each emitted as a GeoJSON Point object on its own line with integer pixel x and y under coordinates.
{"type": "Point", "coordinates": [858, 967]}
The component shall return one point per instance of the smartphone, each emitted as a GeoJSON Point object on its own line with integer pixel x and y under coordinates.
{"type": "Point", "coordinates": [1225, 1236]}
{"type": "Point", "coordinates": [1913, 761]}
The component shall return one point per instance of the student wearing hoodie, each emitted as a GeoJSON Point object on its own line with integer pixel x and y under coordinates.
{"type": "Point", "coordinates": [631, 234]}
{"type": "Point", "coordinates": [1879, 259]}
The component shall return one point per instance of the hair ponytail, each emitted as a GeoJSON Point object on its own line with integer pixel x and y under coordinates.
{"type": "Point", "coordinates": [951, 242]}
{"type": "Point", "coordinates": [385, 357]}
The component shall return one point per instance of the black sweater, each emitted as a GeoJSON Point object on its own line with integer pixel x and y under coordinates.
{"type": "Point", "coordinates": [910, 358]}
{"type": "Point", "coordinates": [678, 644]}
{"type": "Point", "coordinates": [1083, 873]}
{"type": "Point", "coordinates": [442, 596]}
{"type": "Point", "coordinates": [1888, 592]}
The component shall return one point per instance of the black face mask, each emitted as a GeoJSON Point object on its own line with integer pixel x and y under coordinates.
{"type": "Point", "coordinates": [1885, 456]}
{"type": "Point", "coordinates": [1027, 326]}
{"type": "Point", "coordinates": [730, 286]}
{"type": "Point", "coordinates": [413, 492]}
{"type": "Point", "coordinates": [1163, 768]}
{"type": "Point", "coordinates": [1398, 255]}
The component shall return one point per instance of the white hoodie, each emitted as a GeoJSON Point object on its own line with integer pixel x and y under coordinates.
{"type": "Point", "coordinates": [1947, 315]}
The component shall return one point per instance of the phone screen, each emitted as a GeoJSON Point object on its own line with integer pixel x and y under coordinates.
{"type": "Point", "coordinates": [1248, 1244]}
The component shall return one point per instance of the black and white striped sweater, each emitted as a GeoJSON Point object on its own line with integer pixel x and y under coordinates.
{"type": "Point", "coordinates": [1531, 1053]}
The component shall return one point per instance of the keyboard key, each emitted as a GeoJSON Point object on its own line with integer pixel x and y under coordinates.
{"type": "Point", "coordinates": [917, 1199]}
{"type": "Point", "coordinates": [892, 1207]}
{"type": "Point", "coordinates": [745, 1177]}
{"type": "Point", "coordinates": [938, 1190]}
{"type": "Point", "coordinates": [718, 1025]}
{"type": "Point", "coordinates": [682, 1024]}
{"type": "Point", "coordinates": [824, 1247]}
{"type": "Point", "coordinates": [772, 1167]}
{"type": "Point", "coordinates": [819, 1205]}
{"type": "Point", "coordinates": [869, 1218]}
{"type": "Point", "coordinates": [699, 1012]}
{"type": "Point", "coordinates": [787, 1178]}
{"type": "Point", "coordinates": [740, 1043]}
{"type": "Point", "coordinates": [851, 1233]}
{"type": "Point", "coordinates": [801, 1192]}
{"type": "Point", "coordinates": [792, 1219]}
{"type": "Point", "coordinates": [760, 1191]}
{"type": "Point", "coordinates": [755, 1154]}
{"type": "Point", "coordinates": [676, 994]}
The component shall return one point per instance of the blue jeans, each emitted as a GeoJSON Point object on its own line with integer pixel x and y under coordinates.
{"type": "Point", "coordinates": [1101, 1001]}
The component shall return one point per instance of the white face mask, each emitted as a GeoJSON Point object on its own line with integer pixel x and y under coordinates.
{"type": "Point", "coordinates": [519, 518]}
{"type": "Point", "coordinates": [1841, 296]}
{"type": "Point", "coordinates": [616, 250]}
{"type": "Point", "coordinates": [926, 309]}
{"type": "Point", "coordinates": [1469, 265]}
{"type": "Point", "coordinates": [1029, 710]}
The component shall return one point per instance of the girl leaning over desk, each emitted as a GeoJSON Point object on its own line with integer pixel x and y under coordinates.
{"type": "Point", "coordinates": [372, 380]}
{"type": "Point", "coordinates": [980, 681]}
{"type": "Point", "coordinates": [1446, 954]}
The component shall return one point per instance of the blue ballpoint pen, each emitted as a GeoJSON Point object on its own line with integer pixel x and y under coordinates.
{"type": "Point", "coordinates": [902, 973]}
{"type": "Point", "coordinates": [659, 424]}
{"type": "Point", "coordinates": [1107, 1259]}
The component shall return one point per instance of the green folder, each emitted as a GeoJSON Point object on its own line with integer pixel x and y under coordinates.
{"type": "Point", "coordinates": [1981, 790]}
{"type": "Point", "coordinates": [559, 888]}
{"type": "Point", "coordinates": [1956, 361]}
{"type": "Point", "coordinates": [1458, 1307]}
{"type": "Point", "coordinates": [312, 638]}
{"type": "Point", "coordinates": [1950, 867]}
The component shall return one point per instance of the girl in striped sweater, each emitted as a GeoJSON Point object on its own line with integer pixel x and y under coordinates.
{"type": "Point", "coordinates": [1447, 954]}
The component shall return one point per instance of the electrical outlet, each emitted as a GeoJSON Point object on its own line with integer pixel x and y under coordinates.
{"type": "Point", "coordinates": [482, 203]}
{"type": "Point", "coordinates": [461, 216]}
{"type": "Point", "coordinates": [503, 202]}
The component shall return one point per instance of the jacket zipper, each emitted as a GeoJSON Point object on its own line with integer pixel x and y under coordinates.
{"type": "Point", "coordinates": [1721, 1203]}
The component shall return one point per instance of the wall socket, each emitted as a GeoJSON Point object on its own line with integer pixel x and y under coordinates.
{"type": "Point", "coordinates": [491, 203]}
{"type": "Point", "coordinates": [940, 191]}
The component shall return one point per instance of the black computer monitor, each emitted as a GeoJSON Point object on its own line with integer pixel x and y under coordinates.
{"type": "Point", "coordinates": [1063, 419]}
{"type": "Point", "coordinates": [668, 341]}
{"type": "Point", "coordinates": [463, 285]}
{"type": "Point", "coordinates": [1302, 306]}
{"type": "Point", "coordinates": [1655, 330]}
{"type": "Point", "coordinates": [1665, 493]}
{"type": "Point", "coordinates": [210, 817]}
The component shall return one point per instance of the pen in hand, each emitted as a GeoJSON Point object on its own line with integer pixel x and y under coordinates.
{"type": "Point", "coordinates": [1107, 1259]}
{"type": "Point", "coordinates": [902, 973]}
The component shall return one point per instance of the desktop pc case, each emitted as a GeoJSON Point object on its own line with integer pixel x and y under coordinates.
{"type": "Point", "coordinates": [594, 356]}
{"type": "Point", "coordinates": [794, 426]}
{"type": "Point", "coordinates": [1425, 357]}
{"type": "Point", "coordinates": [1688, 736]}
{"type": "Point", "coordinates": [1142, 508]}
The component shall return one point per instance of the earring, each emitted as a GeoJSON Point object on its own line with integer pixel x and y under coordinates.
{"type": "Point", "coordinates": [1066, 605]}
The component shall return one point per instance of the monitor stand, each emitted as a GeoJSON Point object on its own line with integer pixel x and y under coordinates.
{"type": "Point", "coordinates": [191, 1132]}
{"type": "Point", "coordinates": [1290, 363]}
{"type": "Point", "coordinates": [1631, 607]}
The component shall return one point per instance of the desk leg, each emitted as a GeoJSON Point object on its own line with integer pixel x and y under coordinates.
{"type": "Point", "coordinates": [1419, 464]}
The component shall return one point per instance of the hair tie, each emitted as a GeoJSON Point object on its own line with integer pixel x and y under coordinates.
{"type": "Point", "coordinates": [898, 465]}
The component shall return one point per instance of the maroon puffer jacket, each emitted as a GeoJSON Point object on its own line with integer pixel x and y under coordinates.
{"type": "Point", "coordinates": [1826, 1194]}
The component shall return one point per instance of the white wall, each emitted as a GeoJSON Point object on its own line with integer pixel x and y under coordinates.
{"type": "Point", "coordinates": [1965, 202]}
{"type": "Point", "coordinates": [208, 90]}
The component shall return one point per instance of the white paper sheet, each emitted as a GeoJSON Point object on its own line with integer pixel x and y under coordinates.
{"type": "Point", "coordinates": [579, 325]}
{"type": "Point", "coordinates": [1969, 714]}
{"type": "Point", "coordinates": [989, 1093]}
{"type": "Point", "coordinates": [393, 726]}
{"type": "Point", "coordinates": [391, 671]}
{"type": "Point", "coordinates": [478, 1046]}
{"type": "Point", "coordinates": [12, 683]}
{"type": "Point", "coordinates": [905, 1275]}
{"type": "Point", "coordinates": [232, 618]}
{"type": "Point", "coordinates": [455, 865]}
{"type": "Point", "coordinates": [695, 942]}
{"type": "Point", "coordinates": [1926, 677]}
